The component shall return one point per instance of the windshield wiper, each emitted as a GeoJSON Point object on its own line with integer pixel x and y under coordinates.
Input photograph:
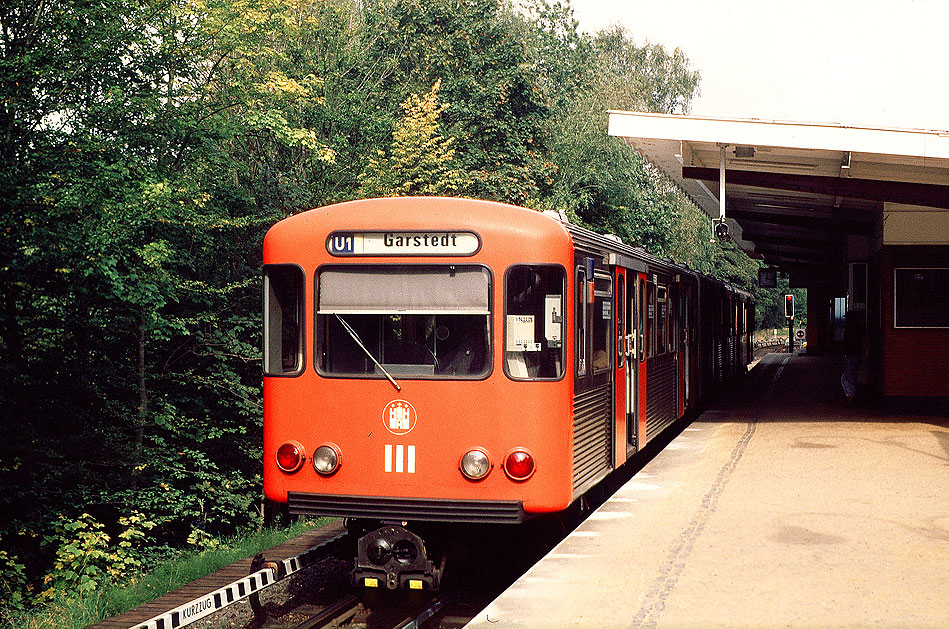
{"type": "Point", "coordinates": [355, 337]}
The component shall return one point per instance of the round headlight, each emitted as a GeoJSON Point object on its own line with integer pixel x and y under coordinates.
{"type": "Point", "coordinates": [326, 460]}
{"type": "Point", "coordinates": [519, 464]}
{"type": "Point", "coordinates": [290, 457]}
{"type": "Point", "coordinates": [475, 464]}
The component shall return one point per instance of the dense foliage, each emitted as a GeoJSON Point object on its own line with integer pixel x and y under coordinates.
{"type": "Point", "coordinates": [148, 144]}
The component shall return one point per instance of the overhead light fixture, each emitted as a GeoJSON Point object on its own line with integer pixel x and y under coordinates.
{"type": "Point", "coordinates": [744, 152]}
{"type": "Point", "coordinates": [845, 164]}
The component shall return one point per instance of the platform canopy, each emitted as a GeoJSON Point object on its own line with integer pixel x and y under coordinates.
{"type": "Point", "coordinates": [799, 193]}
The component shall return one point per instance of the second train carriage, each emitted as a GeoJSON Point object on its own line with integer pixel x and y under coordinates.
{"type": "Point", "coordinates": [462, 361]}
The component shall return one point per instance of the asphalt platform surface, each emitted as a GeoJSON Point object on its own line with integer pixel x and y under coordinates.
{"type": "Point", "coordinates": [780, 506]}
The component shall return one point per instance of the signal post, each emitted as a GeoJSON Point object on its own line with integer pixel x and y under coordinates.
{"type": "Point", "coordinates": [789, 313]}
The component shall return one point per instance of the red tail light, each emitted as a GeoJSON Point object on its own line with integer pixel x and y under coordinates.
{"type": "Point", "coordinates": [519, 464]}
{"type": "Point", "coordinates": [290, 457]}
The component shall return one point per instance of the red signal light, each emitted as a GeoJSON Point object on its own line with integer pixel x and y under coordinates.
{"type": "Point", "coordinates": [519, 464]}
{"type": "Point", "coordinates": [290, 457]}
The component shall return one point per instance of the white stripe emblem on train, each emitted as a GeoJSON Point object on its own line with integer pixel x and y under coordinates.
{"type": "Point", "coordinates": [404, 459]}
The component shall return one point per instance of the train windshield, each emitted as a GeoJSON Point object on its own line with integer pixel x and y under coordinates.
{"type": "Point", "coordinates": [425, 321]}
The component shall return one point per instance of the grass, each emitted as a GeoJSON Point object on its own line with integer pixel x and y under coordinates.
{"type": "Point", "coordinates": [767, 334]}
{"type": "Point", "coordinates": [112, 600]}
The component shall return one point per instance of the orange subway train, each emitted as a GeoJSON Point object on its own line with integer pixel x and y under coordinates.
{"type": "Point", "coordinates": [465, 362]}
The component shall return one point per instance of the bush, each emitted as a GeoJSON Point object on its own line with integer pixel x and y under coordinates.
{"type": "Point", "coordinates": [85, 560]}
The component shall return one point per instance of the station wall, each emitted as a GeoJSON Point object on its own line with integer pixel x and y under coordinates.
{"type": "Point", "coordinates": [915, 353]}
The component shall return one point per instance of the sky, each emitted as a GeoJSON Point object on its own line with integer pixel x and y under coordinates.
{"type": "Point", "coordinates": [870, 62]}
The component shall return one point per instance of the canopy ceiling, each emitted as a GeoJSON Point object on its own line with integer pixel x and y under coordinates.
{"type": "Point", "coordinates": [795, 192]}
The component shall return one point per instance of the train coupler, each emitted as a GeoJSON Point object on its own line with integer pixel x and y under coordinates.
{"type": "Point", "coordinates": [394, 557]}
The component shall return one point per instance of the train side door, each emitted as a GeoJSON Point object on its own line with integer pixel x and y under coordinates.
{"type": "Point", "coordinates": [675, 341]}
{"type": "Point", "coordinates": [639, 437]}
{"type": "Point", "coordinates": [632, 362]}
{"type": "Point", "coordinates": [685, 322]}
{"type": "Point", "coordinates": [622, 392]}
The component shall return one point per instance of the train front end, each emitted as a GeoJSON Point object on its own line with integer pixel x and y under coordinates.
{"type": "Point", "coordinates": [414, 372]}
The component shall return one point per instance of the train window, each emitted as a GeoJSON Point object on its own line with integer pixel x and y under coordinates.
{"type": "Point", "coordinates": [283, 319]}
{"type": "Point", "coordinates": [581, 321]}
{"type": "Point", "coordinates": [620, 322]}
{"type": "Point", "coordinates": [534, 322]}
{"type": "Point", "coordinates": [642, 321]}
{"type": "Point", "coordinates": [602, 333]}
{"type": "Point", "coordinates": [425, 321]}
{"type": "Point", "coordinates": [662, 318]}
{"type": "Point", "coordinates": [651, 319]}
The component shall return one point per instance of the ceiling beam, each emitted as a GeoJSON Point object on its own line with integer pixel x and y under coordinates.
{"type": "Point", "coordinates": [930, 195]}
{"type": "Point", "coordinates": [826, 224]}
{"type": "Point", "coordinates": [808, 253]}
{"type": "Point", "coordinates": [794, 265]}
{"type": "Point", "coordinates": [803, 206]}
{"type": "Point", "coordinates": [785, 258]}
{"type": "Point", "coordinates": [813, 240]}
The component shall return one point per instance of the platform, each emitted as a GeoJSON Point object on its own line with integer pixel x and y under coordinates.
{"type": "Point", "coordinates": [779, 506]}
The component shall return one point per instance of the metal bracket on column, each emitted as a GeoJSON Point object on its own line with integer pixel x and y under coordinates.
{"type": "Point", "coordinates": [721, 183]}
{"type": "Point", "coordinates": [719, 227]}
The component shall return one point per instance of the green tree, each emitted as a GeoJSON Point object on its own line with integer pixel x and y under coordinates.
{"type": "Point", "coordinates": [598, 180]}
{"type": "Point", "coordinates": [420, 159]}
{"type": "Point", "coordinates": [148, 144]}
{"type": "Point", "coordinates": [496, 110]}
{"type": "Point", "coordinates": [642, 78]}
{"type": "Point", "coordinates": [769, 307]}
{"type": "Point", "coordinates": [267, 86]}
{"type": "Point", "coordinates": [129, 268]}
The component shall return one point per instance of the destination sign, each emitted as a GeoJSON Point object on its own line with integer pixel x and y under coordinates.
{"type": "Point", "coordinates": [403, 243]}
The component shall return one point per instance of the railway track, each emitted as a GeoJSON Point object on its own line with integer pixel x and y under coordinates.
{"type": "Point", "coordinates": [470, 586]}
{"type": "Point", "coordinates": [308, 589]}
{"type": "Point", "coordinates": [351, 611]}
{"type": "Point", "coordinates": [769, 349]}
{"type": "Point", "coordinates": [336, 615]}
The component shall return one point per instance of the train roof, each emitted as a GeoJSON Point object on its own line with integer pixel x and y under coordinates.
{"type": "Point", "coordinates": [457, 213]}
{"type": "Point", "coordinates": [439, 213]}
{"type": "Point", "coordinates": [631, 253]}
